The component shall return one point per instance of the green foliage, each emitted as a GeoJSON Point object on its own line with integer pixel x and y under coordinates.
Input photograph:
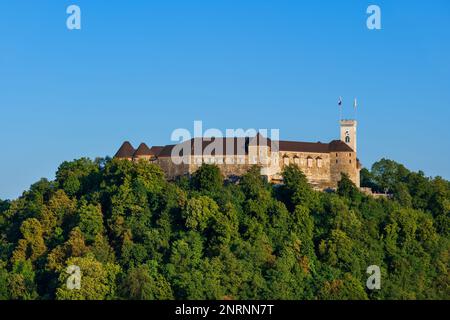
{"type": "Point", "coordinates": [347, 189]}
{"type": "Point", "coordinates": [4, 277]}
{"type": "Point", "coordinates": [145, 282]}
{"type": "Point", "coordinates": [21, 281]}
{"type": "Point", "coordinates": [78, 176]}
{"type": "Point", "coordinates": [135, 235]}
{"type": "Point", "coordinates": [199, 212]}
{"type": "Point", "coordinates": [98, 281]}
{"type": "Point", "coordinates": [207, 178]}
{"type": "Point", "coordinates": [90, 220]}
{"type": "Point", "coordinates": [296, 190]}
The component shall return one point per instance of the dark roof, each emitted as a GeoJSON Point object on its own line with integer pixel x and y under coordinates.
{"type": "Point", "coordinates": [143, 150]}
{"type": "Point", "coordinates": [155, 150]}
{"type": "Point", "coordinates": [220, 146]}
{"type": "Point", "coordinates": [296, 146]}
{"type": "Point", "coordinates": [166, 151]}
{"type": "Point", "coordinates": [317, 147]}
{"type": "Point", "coordinates": [125, 151]}
{"type": "Point", "coordinates": [217, 146]}
{"type": "Point", "coordinates": [339, 146]}
{"type": "Point", "coordinates": [235, 146]}
{"type": "Point", "coordinates": [212, 146]}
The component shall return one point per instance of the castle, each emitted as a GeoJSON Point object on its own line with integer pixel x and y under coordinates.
{"type": "Point", "coordinates": [322, 163]}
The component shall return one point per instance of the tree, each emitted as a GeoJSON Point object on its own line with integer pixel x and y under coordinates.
{"type": "Point", "coordinates": [145, 282]}
{"type": "Point", "coordinates": [296, 190]}
{"type": "Point", "coordinates": [135, 235]}
{"type": "Point", "coordinates": [32, 245]}
{"type": "Point", "coordinates": [78, 176]}
{"type": "Point", "coordinates": [4, 277]}
{"type": "Point", "coordinates": [347, 288]}
{"type": "Point", "coordinates": [207, 178]}
{"type": "Point", "coordinates": [388, 173]}
{"type": "Point", "coordinates": [199, 212]}
{"type": "Point", "coordinates": [21, 281]}
{"type": "Point", "coordinates": [90, 220]}
{"type": "Point", "coordinates": [346, 188]}
{"type": "Point", "coordinates": [75, 246]}
{"type": "Point", "coordinates": [4, 205]}
{"type": "Point", "coordinates": [367, 180]}
{"type": "Point", "coordinates": [304, 228]}
{"type": "Point", "coordinates": [98, 281]}
{"type": "Point", "coordinates": [58, 216]}
{"type": "Point", "coordinates": [253, 184]}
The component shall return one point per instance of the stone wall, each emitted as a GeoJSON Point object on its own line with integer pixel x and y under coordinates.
{"type": "Point", "coordinates": [315, 166]}
{"type": "Point", "coordinates": [171, 169]}
{"type": "Point", "coordinates": [343, 162]}
{"type": "Point", "coordinates": [229, 166]}
{"type": "Point", "coordinates": [323, 170]}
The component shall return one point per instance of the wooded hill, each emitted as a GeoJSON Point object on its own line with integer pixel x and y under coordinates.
{"type": "Point", "coordinates": [135, 235]}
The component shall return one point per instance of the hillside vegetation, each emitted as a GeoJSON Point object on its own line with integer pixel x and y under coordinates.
{"type": "Point", "coordinates": [135, 235]}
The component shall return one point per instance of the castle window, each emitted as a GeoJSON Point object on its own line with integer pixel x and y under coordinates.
{"type": "Point", "coordinates": [337, 160]}
{"type": "Point", "coordinates": [319, 162]}
{"type": "Point", "coordinates": [350, 160]}
{"type": "Point", "coordinates": [297, 160]}
{"type": "Point", "coordinates": [347, 139]}
{"type": "Point", "coordinates": [309, 161]}
{"type": "Point", "coordinates": [286, 160]}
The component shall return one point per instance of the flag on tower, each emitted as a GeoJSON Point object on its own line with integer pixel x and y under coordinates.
{"type": "Point", "coordinates": [340, 101]}
{"type": "Point", "coordinates": [355, 104]}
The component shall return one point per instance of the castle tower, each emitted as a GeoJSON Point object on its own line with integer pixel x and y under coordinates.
{"type": "Point", "coordinates": [348, 133]}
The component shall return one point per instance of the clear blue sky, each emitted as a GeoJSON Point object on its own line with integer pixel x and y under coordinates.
{"type": "Point", "coordinates": [139, 69]}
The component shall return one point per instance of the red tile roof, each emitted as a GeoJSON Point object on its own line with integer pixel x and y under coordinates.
{"type": "Point", "coordinates": [125, 151]}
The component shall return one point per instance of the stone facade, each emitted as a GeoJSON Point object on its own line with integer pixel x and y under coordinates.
{"type": "Point", "coordinates": [322, 163]}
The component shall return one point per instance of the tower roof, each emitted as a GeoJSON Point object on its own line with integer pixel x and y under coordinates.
{"type": "Point", "coordinates": [125, 151]}
{"type": "Point", "coordinates": [339, 146]}
{"type": "Point", "coordinates": [143, 150]}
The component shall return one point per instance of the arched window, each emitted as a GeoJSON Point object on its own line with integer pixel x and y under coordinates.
{"type": "Point", "coordinates": [319, 162]}
{"type": "Point", "coordinates": [309, 162]}
{"type": "Point", "coordinates": [347, 139]}
{"type": "Point", "coordinates": [297, 160]}
{"type": "Point", "coordinates": [286, 160]}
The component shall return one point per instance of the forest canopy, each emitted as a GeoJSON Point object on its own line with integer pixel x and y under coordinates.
{"type": "Point", "coordinates": [135, 235]}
